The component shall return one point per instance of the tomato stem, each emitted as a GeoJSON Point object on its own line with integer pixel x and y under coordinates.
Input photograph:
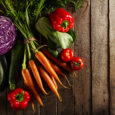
{"type": "Point", "coordinates": [77, 64]}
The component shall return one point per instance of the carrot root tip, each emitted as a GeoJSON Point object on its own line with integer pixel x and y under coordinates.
{"type": "Point", "coordinates": [64, 86]}
{"type": "Point", "coordinates": [68, 81]}
{"type": "Point", "coordinates": [33, 107]}
{"type": "Point", "coordinates": [60, 98]}
{"type": "Point", "coordinates": [45, 92]}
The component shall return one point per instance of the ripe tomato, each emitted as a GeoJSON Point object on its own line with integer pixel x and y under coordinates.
{"type": "Point", "coordinates": [77, 63]}
{"type": "Point", "coordinates": [67, 55]}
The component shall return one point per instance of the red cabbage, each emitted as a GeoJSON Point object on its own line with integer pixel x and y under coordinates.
{"type": "Point", "coordinates": [7, 34]}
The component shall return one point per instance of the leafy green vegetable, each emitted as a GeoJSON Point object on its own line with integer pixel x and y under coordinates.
{"type": "Point", "coordinates": [52, 47]}
{"type": "Point", "coordinates": [54, 52]}
{"type": "Point", "coordinates": [72, 33]}
{"type": "Point", "coordinates": [16, 57]}
{"type": "Point", "coordinates": [61, 39]}
{"type": "Point", "coordinates": [3, 71]}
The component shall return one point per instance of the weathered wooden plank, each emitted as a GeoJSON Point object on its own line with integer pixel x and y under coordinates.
{"type": "Point", "coordinates": [82, 49]}
{"type": "Point", "coordinates": [29, 111]}
{"type": "Point", "coordinates": [99, 45]}
{"type": "Point", "coordinates": [49, 105]}
{"type": "Point", "coordinates": [67, 105]}
{"type": "Point", "coordinates": [3, 102]}
{"type": "Point", "coordinates": [112, 55]}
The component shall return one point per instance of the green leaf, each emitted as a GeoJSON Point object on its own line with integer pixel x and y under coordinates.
{"type": "Point", "coordinates": [38, 8]}
{"type": "Point", "coordinates": [52, 44]}
{"type": "Point", "coordinates": [72, 33]}
{"type": "Point", "coordinates": [52, 47]}
{"type": "Point", "coordinates": [44, 27]}
{"type": "Point", "coordinates": [54, 52]}
{"type": "Point", "coordinates": [27, 15]}
{"type": "Point", "coordinates": [61, 39]}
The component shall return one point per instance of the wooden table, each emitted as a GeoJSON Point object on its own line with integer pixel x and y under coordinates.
{"type": "Point", "coordinates": [93, 88]}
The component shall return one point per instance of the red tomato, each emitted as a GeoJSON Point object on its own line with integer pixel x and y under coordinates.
{"type": "Point", "coordinates": [67, 55]}
{"type": "Point", "coordinates": [77, 63]}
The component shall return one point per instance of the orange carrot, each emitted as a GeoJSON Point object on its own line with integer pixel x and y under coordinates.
{"type": "Point", "coordinates": [44, 61]}
{"type": "Point", "coordinates": [53, 80]}
{"type": "Point", "coordinates": [37, 75]}
{"type": "Point", "coordinates": [48, 80]}
{"type": "Point", "coordinates": [58, 71]}
{"type": "Point", "coordinates": [29, 83]}
{"type": "Point", "coordinates": [57, 61]}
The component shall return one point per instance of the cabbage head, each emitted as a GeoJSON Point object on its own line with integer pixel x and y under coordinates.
{"type": "Point", "coordinates": [7, 34]}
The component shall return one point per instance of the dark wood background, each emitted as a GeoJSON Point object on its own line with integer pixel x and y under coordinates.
{"type": "Point", "coordinates": [93, 88]}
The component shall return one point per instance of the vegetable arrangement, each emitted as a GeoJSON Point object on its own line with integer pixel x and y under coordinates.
{"type": "Point", "coordinates": [39, 61]}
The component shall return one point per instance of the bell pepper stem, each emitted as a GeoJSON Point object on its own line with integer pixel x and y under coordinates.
{"type": "Point", "coordinates": [65, 24]}
{"type": "Point", "coordinates": [20, 97]}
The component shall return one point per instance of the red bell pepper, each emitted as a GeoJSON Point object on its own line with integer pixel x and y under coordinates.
{"type": "Point", "coordinates": [61, 20]}
{"type": "Point", "coordinates": [19, 99]}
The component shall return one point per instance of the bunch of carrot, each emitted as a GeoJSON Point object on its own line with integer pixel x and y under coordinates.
{"type": "Point", "coordinates": [47, 70]}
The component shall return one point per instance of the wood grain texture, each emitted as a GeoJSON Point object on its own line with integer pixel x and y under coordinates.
{"type": "Point", "coordinates": [3, 102]}
{"type": "Point", "coordinates": [112, 55]}
{"type": "Point", "coordinates": [99, 43]}
{"type": "Point", "coordinates": [82, 49]}
{"type": "Point", "coordinates": [50, 106]}
{"type": "Point", "coordinates": [66, 107]}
